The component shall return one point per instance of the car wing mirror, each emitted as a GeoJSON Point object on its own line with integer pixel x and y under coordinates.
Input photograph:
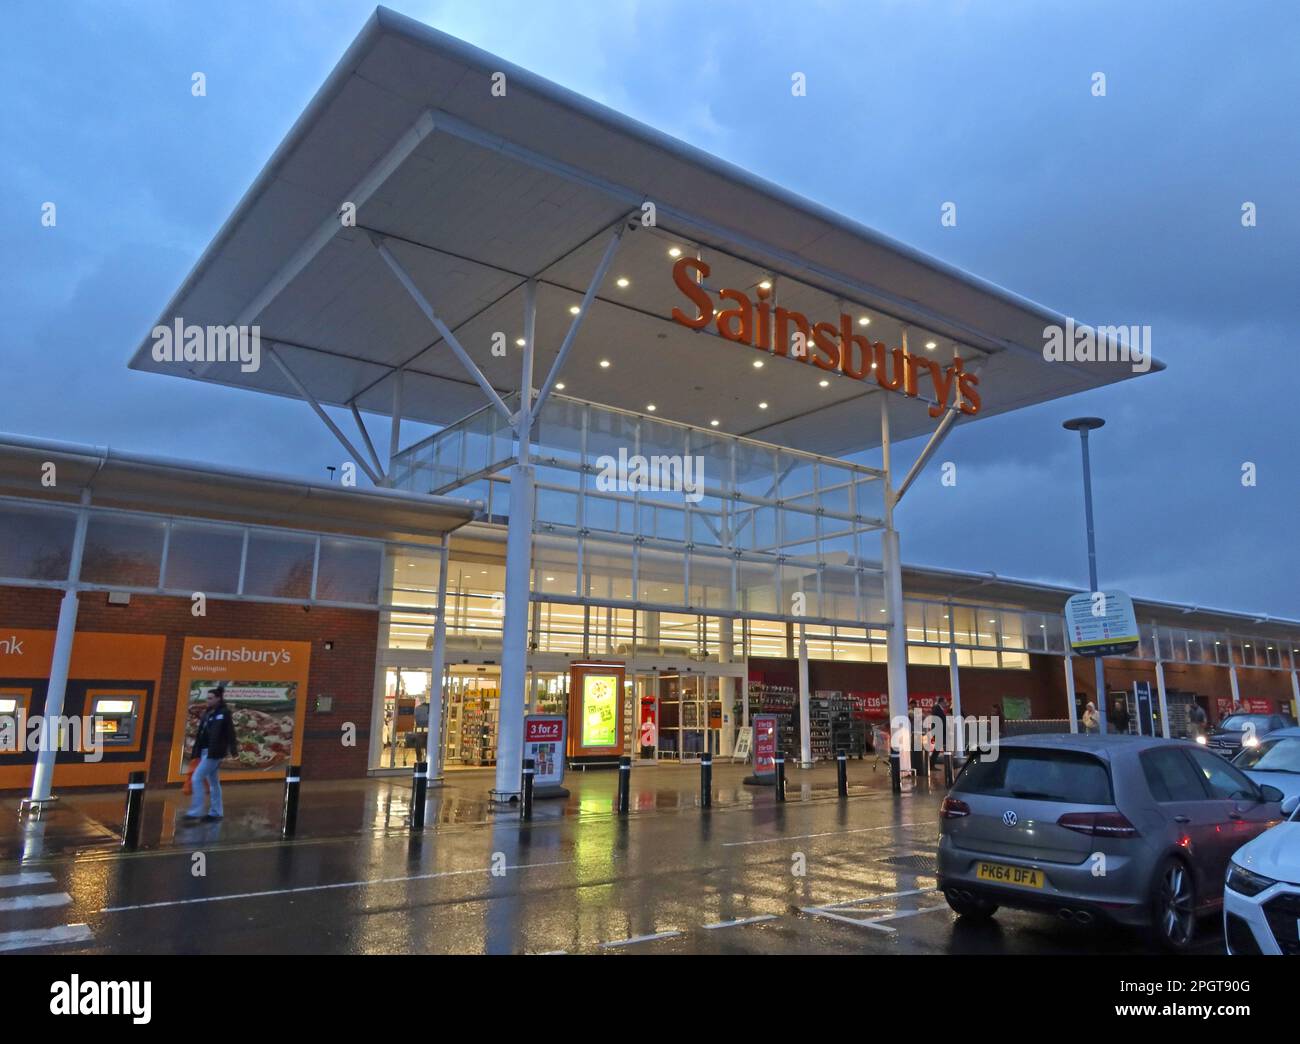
{"type": "Point", "coordinates": [1290, 805]}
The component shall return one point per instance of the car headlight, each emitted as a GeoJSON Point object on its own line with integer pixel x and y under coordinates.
{"type": "Point", "coordinates": [1250, 741]}
{"type": "Point", "coordinates": [1247, 882]}
{"type": "Point", "coordinates": [1202, 740]}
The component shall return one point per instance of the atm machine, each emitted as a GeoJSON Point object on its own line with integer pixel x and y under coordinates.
{"type": "Point", "coordinates": [117, 720]}
{"type": "Point", "coordinates": [10, 727]}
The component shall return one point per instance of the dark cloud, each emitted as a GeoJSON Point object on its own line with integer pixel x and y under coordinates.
{"type": "Point", "coordinates": [1123, 209]}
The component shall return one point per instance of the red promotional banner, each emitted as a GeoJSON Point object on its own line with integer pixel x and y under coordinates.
{"type": "Point", "coordinates": [1257, 705]}
{"type": "Point", "coordinates": [873, 704]}
{"type": "Point", "coordinates": [764, 744]}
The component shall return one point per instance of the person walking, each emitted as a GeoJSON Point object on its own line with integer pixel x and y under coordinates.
{"type": "Point", "coordinates": [940, 713]}
{"type": "Point", "coordinates": [1198, 720]}
{"type": "Point", "coordinates": [214, 740]}
{"type": "Point", "coordinates": [1090, 718]}
{"type": "Point", "coordinates": [1119, 717]}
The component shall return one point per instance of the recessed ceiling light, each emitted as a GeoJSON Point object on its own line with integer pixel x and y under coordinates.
{"type": "Point", "coordinates": [604, 364]}
{"type": "Point", "coordinates": [559, 386]}
{"type": "Point", "coordinates": [623, 281]}
{"type": "Point", "coordinates": [650, 407]}
{"type": "Point", "coordinates": [766, 284]}
{"type": "Point", "coordinates": [549, 579]}
{"type": "Point", "coordinates": [675, 252]}
{"type": "Point", "coordinates": [758, 364]}
{"type": "Point", "coordinates": [930, 345]}
{"type": "Point", "coordinates": [864, 321]}
{"type": "Point", "coordinates": [574, 309]}
{"type": "Point", "coordinates": [713, 423]}
{"type": "Point", "coordinates": [873, 366]}
{"type": "Point", "coordinates": [762, 405]}
{"type": "Point", "coordinates": [520, 341]}
{"type": "Point", "coordinates": [824, 384]}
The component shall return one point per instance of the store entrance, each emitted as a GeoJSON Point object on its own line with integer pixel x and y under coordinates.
{"type": "Point", "coordinates": [684, 712]}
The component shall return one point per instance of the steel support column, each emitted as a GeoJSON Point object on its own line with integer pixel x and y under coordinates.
{"type": "Point", "coordinates": [519, 554]}
{"type": "Point", "coordinates": [437, 668]}
{"type": "Point", "coordinates": [1160, 682]}
{"type": "Point", "coordinates": [43, 775]}
{"type": "Point", "coordinates": [896, 638]}
{"type": "Point", "coordinates": [805, 723]}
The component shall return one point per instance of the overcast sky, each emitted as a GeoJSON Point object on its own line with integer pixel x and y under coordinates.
{"type": "Point", "coordinates": [1117, 209]}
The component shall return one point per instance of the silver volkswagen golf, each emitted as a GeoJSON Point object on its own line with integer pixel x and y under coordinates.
{"type": "Point", "coordinates": [1129, 829]}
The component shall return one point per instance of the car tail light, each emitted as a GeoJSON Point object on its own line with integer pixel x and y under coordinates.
{"type": "Point", "coordinates": [1098, 824]}
{"type": "Point", "coordinates": [953, 809]}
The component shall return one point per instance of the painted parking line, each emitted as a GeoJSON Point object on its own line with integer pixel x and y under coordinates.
{"type": "Point", "coordinates": [323, 887]}
{"type": "Point", "coordinates": [22, 880]}
{"type": "Point", "coordinates": [738, 922]}
{"type": "Point", "coordinates": [837, 911]}
{"type": "Point", "coordinates": [827, 833]}
{"type": "Point", "coordinates": [614, 943]}
{"type": "Point", "coordinates": [37, 937]}
{"type": "Point", "coordinates": [39, 901]}
{"type": "Point", "coordinates": [819, 911]}
{"type": "Point", "coordinates": [875, 898]}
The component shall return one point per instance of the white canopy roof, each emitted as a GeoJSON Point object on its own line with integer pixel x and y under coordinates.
{"type": "Point", "coordinates": [478, 192]}
{"type": "Point", "coordinates": [133, 481]}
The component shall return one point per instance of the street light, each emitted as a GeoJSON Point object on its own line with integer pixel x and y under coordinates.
{"type": "Point", "coordinates": [1083, 425]}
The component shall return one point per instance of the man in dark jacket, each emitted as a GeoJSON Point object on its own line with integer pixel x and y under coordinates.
{"type": "Point", "coordinates": [214, 740]}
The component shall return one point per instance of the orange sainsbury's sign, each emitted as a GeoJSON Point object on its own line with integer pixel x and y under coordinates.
{"type": "Point", "coordinates": [827, 346]}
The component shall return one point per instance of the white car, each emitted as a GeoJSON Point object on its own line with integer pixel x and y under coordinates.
{"type": "Point", "coordinates": [1261, 899]}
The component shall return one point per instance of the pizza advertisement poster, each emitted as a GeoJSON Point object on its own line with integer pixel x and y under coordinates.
{"type": "Point", "coordinates": [266, 690]}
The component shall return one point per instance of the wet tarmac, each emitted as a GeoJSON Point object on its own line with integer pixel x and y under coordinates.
{"type": "Point", "coordinates": [817, 874]}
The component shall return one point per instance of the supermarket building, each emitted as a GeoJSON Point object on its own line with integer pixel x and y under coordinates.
{"type": "Point", "coordinates": [440, 231]}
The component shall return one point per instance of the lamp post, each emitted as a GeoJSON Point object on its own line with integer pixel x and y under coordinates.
{"type": "Point", "coordinates": [1083, 425]}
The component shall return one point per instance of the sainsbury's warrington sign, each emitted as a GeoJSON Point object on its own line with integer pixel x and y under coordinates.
{"type": "Point", "coordinates": [827, 346]}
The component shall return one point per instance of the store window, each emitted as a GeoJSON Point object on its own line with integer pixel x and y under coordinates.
{"type": "Point", "coordinates": [35, 543]}
{"type": "Point", "coordinates": [279, 565]}
{"type": "Point", "coordinates": [123, 550]}
{"type": "Point", "coordinates": [348, 571]}
{"type": "Point", "coordinates": [203, 558]}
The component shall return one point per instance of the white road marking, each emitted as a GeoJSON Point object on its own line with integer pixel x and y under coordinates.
{"type": "Point", "coordinates": [874, 898]}
{"type": "Point", "coordinates": [819, 911]}
{"type": "Point", "coordinates": [831, 910]}
{"type": "Point", "coordinates": [908, 913]}
{"type": "Point", "coordinates": [637, 939]}
{"type": "Point", "coordinates": [828, 833]}
{"type": "Point", "coordinates": [324, 887]}
{"type": "Point", "coordinates": [739, 921]}
{"type": "Point", "coordinates": [19, 880]}
{"type": "Point", "coordinates": [32, 938]}
{"type": "Point", "coordinates": [39, 901]}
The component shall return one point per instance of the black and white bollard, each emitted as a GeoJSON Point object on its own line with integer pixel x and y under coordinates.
{"type": "Point", "coordinates": [290, 820]}
{"type": "Point", "coordinates": [842, 773]}
{"type": "Point", "coordinates": [624, 784]}
{"type": "Point", "coordinates": [780, 775]}
{"type": "Point", "coordinates": [134, 811]}
{"type": "Point", "coordinates": [530, 770]}
{"type": "Point", "coordinates": [418, 792]}
{"type": "Point", "coordinates": [706, 780]}
{"type": "Point", "coordinates": [947, 769]}
{"type": "Point", "coordinates": [895, 772]}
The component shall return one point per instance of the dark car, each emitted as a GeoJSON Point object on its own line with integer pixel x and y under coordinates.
{"type": "Point", "coordinates": [1134, 830]}
{"type": "Point", "coordinates": [1243, 730]}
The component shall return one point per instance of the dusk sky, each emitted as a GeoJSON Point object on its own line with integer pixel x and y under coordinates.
{"type": "Point", "coordinates": [1122, 209]}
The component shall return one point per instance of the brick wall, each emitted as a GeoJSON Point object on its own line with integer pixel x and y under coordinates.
{"type": "Point", "coordinates": [346, 672]}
